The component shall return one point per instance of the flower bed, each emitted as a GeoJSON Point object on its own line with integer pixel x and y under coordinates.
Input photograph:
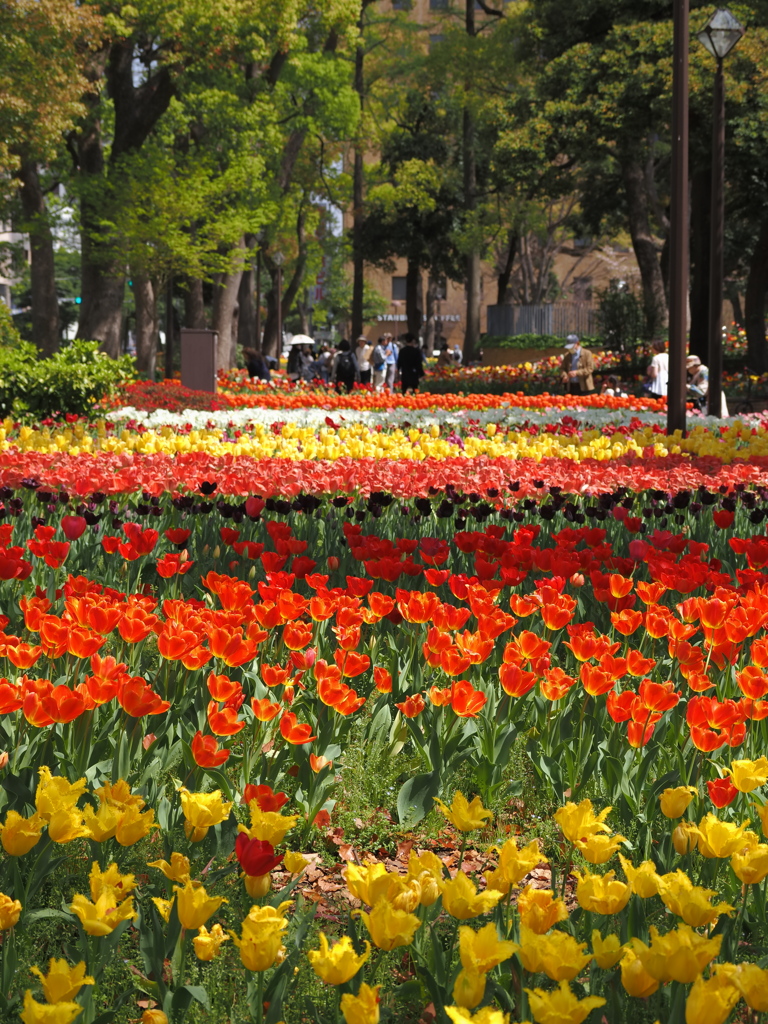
{"type": "Point", "coordinates": [188, 676]}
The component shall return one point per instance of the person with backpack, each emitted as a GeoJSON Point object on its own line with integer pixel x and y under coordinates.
{"type": "Point", "coordinates": [345, 370]}
{"type": "Point", "coordinates": [379, 364]}
{"type": "Point", "coordinates": [410, 363]}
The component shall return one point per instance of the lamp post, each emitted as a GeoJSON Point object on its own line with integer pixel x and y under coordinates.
{"type": "Point", "coordinates": [678, 222]}
{"type": "Point", "coordinates": [278, 259]}
{"type": "Point", "coordinates": [719, 36]}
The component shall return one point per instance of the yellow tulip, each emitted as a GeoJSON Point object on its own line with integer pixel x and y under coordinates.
{"type": "Point", "coordinates": [368, 882]}
{"type": "Point", "coordinates": [643, 880]}
{"type": "Point", "coordinates": [556, 954]}
{"type": "Point", "coordinates": [762, 813]}
{"type": "Point", "coordinates": [202, 811]}
{"type": "Point", "coordinates": [538, 910]}
{"type": "Point", "coordinates": [462, 900]}
{"type": "Point", "coordinates": [599, 849]}
{"type": "Point", "coordinates": [257, 886]}
{"type": "Point", "coordinates": [689, 901]}
{"type": "Point", "coordinates": [119, 795]}
{"type": "Point", "coordinates": [336, 964]}
{"type": "Point", "coordinates": [153, 1017]}
{"type": "Point", "coordinates": [261, 937]}
{"type": "Point", "coordinates": [578, 821]}
{"type": "Point", "coordinates": [514, 864]}
{"type": "Point", "coordinates": [55, 793]}
{"type": "Point", "coordinates": [750, 865]}
{"type": "Point", "coordinates": [389, 927]}
{"type": "Point", "coordinates": [362, 1008]}
{"type": "Point", "coordinates": [164, 907]}
{"type": "Point", "coordinates": [674, 802]}
{"type": "Point", "coordinates": [62, 982]}
{"type": "Point", "coordinates": [748, 775]}
{"type": "Point", "coordinates": [269, 826]}
{"type": "Point", "coordinates": [685, 838]}
{"type": "Point", "coordinates": [482, 950]}
{"type": "Point", "coordinates": [426, 869]}
{"type": "Point", "coordinates": [488, 1015]}
{"type": "Point", "coordinates": [194, 906]}
{"type": "Point", "coordinates": [635, 980]}
{"type": "Point", "coordinates": [606, 951]}
{"type": "Point", "coordinates": [177, 871]}
{"type": "Point", "coordinates": [710, 1001]}
{"type": "Point", "coordinates": [10, 910]}
{"type": "Point", "coordinates": [110, 880]}
{"type": "Point", "coordinates": [102, 822]}
{"type": "Point", "coordinates": [720, 838]}
{"type": "Point", "coordinates": [132, 826]}
{"type": "Point", "coordinates": [18, 835]}
{"type": "Point", "coordinates": [561, 1006]}
{"type": "Point", "coordinates": [464, 815]}
{"type": "Point", "coordinates": [102, 916]}
{"type": "Point", "coordinates": [469, 988]}
{"type": "Point", "coordinates": [66, 824]}
{"type": "Point", "coordinates": [751, 981]}
{"type": "Point", "coordinates": [295, 862]}
{"type": "Point", "coordinates": [680, 955]}
{"type": "Point", "coordinates": [208, 943]}
{"type": "Point", "coordinates": [43, 1013]}
{"type": "Point", "coordinates": [601, 894]}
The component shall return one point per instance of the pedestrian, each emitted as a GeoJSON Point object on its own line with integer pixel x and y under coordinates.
{"type": "Point", "coordinates": [363, 357]}
{"type": "Point", "coordinates": [445, 357]}
{"type": "Point", "coordinates": [256, 364]}
{"type": "Point", "coordinates": [658, 369]}
{"type": "Point", "coordinates": [390, 361]}
{"type": "Point", "coordinates": [345, 371]}
{"type": "Point", "coordinates": [379, 364]}
{"type": "Point", "coordinates": [698, 385]}
{"type": "Point", "coordinates": [612, 387]}
{"type": "Point", "coordinates": [410, 363]}
{"type": "Point", "coordinates": [577, 368]}
{"type": "Point", "coordinates": [458, 355]}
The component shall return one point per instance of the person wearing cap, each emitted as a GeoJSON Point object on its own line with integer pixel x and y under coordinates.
{"type": "Point", "coordinates": [577, 368]}
{"type": "Point", "coordinates": [390, 361]}
{"type": "Point", "coordinates": [363, 357]}
{"type": "Point", "coordinates": [698, 380]}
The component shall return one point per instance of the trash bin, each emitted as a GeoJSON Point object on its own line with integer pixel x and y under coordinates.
{"type": "Point", "coordinates": [198, 359]}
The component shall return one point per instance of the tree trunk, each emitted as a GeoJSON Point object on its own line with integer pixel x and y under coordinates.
{"type": "Point", "coordinates": [638, 211]}
{"type": "Point", "coordinates": [45, 303]}
{"type": "Point", "coordinates": [413, 298]}
{"type": "Point", "coordinates": [701, 188]}
{"type": "Point", "coordinates": [733, 296]}
{"type": "Point", "coordinates": [358, 198]}
{"type": "Point", "coordinates": [246, 318]}
{"type": "Point", "coordinates": [754, 303]}
{"type": "Point", "coordinates": [506, 273]}
{"type": "Point", "coordinates": [473, 268]}
{"type": "Point", "coordinates": [225, 289]}
{"type": "Point", "coordinates": [429, 326]}
{"type": "Point", "coordinates": [145, 297]}
{"type": "Point", "coordinates": [194, 303]}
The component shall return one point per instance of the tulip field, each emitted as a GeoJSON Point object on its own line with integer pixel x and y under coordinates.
{"type": "Point", "coordinates": [366, 709]}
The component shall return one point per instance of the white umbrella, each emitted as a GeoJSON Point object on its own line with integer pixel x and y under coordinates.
{"type": "Point", "coordinates": [302, 339]}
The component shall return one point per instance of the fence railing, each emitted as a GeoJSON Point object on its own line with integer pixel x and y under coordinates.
{"type": "Point", "coordinates": [558, 319]}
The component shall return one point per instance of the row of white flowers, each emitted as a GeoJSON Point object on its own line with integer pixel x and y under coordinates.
{"type": "Point", "coordinates": [509, 417]}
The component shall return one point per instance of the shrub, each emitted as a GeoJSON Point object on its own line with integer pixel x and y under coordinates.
{"type": "Point", "coordinates": [72, 381]}
{"type": "Point", "coordinates": [9, 336]}
{"type": "Point", "coordinates": [537, 341]}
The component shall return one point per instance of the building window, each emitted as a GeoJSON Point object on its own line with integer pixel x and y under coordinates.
{"type": "Point", "coordinates": [441, 290]}
{"type": "Point", "coordinates": [398, 289]}
{"type": "Point", "coordinates": [402, 5]}
{"type": "Point", "coordinates": [438, 5]}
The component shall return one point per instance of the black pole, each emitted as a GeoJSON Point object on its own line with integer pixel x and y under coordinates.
{"type": "Point", "coordinates": [717, 231]}
{"type": "Point", "coordinates": [258, 299]}
{"type": "Point", "coordinates": [678, 228]}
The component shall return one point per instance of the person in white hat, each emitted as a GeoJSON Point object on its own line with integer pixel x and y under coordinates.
{"type": "Point", "coordinates": [577, 368]}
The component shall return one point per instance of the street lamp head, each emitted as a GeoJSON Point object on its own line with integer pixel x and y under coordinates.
{"type": "Point", "coordinates": [278, 259]}
{"type": "Point", "coordinates": [721, 33]}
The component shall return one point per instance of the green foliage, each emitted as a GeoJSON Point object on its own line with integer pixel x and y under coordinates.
{"type": "Point", "coordinates": [9, 336]}
{"type": "Point", "coordinates": [522, 341]}
{"type": "Point", "coordinates": [72, 381]}
{"type": "Point", "coordinates": [620, 316]}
